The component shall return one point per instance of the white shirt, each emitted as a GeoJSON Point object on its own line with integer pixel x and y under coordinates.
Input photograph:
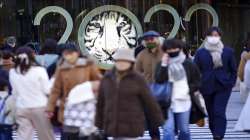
{"type": "Point", "coordinates": [31, 88]}
{"type": "Point", "coordinates": [181, 100]}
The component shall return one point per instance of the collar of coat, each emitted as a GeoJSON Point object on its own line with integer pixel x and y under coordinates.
{"type": "Point", "coordinates": [113, 74]}
{"type": "Point", "coordinates": [81, 62]}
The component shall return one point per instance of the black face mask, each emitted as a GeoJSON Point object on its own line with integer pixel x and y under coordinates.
{"type": "Point", "coordinates": [174, 54]}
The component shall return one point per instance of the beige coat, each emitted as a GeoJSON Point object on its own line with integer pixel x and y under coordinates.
{"type": "Point", "coordinates": [66, 78]}
{"type": "Point", "coordinates": [146, 63]}
{"type": "Point", "coordinates": [241, 68]}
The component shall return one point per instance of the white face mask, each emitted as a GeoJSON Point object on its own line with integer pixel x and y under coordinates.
{"type": "Point", "coordinates": [214, 40]}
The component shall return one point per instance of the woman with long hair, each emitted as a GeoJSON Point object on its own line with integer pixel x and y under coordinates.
{"type": "Point", "coordinates": [29, 86]}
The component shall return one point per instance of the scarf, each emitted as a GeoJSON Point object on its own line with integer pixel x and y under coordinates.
{"type": "Point", "coordinates": [216, 53]}
{"type": "Point", "coordinates": [176, 70]}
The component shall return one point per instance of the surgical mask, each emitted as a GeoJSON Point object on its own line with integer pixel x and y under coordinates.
{"type": "Point", "coordinates": [71, 58]}
{"type": "Point", "coordinates": [174, 54]}
{"type": "Point", "coordinates": [122, 65]}
{"type": "Point", "coordinates": [214, 40]}
{"type": "Point", "coordinates": [151, 45]}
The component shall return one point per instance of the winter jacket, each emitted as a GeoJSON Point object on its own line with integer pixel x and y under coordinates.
{"type": "Point", "coordinates": [4, 79]}
{"type": "Point", "coordinates": [219, 78]}
{"type": "Point", "coordinates": [146, 62]}
{"type": "Point", "coordinates": [245, 57]}
{"type": "Point", "coordinates": [30, 89]}
{"type": "Point", "coordinates": [67, 77]}
{"type": "Point", "coordinates": [122, 106]}
{"type": "Point", "coordinates": [193, 77]}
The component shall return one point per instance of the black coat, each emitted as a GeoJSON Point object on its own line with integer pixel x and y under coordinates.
{"type": "Point", "coordinates": [4, 79]}
{"type": "Point", "coordinates": [194, 77]}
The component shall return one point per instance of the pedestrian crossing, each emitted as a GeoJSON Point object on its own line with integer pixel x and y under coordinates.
{"type": "Point", "coordinates": [198, 133]}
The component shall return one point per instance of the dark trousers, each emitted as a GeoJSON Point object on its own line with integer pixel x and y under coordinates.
{"type": "Point", "coordinates": [216, 104]}
{"type": "Point", "coordinates": [71, 133]}
{"type": "Point", "coordinates": [5, 132]}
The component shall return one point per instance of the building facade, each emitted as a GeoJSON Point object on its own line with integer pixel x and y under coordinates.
{"type": "Point", "coordinates": [17, 18]}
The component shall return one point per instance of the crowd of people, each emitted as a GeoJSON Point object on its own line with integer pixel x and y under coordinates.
{"type": "Point", "coordinates": [61, 87]}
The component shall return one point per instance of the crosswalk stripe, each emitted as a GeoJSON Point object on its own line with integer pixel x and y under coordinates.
{"type": "Point", "coordinates": [198, 133]}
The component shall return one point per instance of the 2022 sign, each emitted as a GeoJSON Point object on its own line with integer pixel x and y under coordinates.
{"type": "Point", "coordinates": [107, 28]}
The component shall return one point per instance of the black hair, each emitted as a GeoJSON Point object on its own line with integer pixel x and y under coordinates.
{"type": "Point", "coordinates": [212, 29]}
{"type": "Point", "coordinates": [7, 54]}
{"type": "Point", "coordinates": [172, 44]}
{"type": "Point", "coordinates": [49, 47]}
{"type": "Point", "coordinates": [24, 63]}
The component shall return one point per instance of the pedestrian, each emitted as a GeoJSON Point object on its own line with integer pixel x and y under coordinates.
{"type": "Point", "coordinates": [7, 60]}
{"type": "Point", "coordinates": [243, 89]}
{"type": "Point", "coordinates": [176, 68]}
{"type": "Point", "coordinates": [48, 54]}
{"type": "Point", "coordinates": [148, 54]}
{"type": "Point", "coordinates": [7, 113]}
{"type": "Point", "coordinates": [148, 58]}
{"type": "Point", "coordinates": [243, 121]}
{"type": "Point", "coordinates": [7, 107]}
{"type": "Point", "coordinates": [29, 87]}
{"type": "Point", "coordinates": [124, 101]}
{"type": "Point", "coordinates": [218, 68]}
{"type": "Point", "coordinates": [10, 44]}
{"type": "Point", "coordinates": [74, 70]}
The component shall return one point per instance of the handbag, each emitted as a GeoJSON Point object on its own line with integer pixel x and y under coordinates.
{"type": "Point", "coordinates": [162, 92]}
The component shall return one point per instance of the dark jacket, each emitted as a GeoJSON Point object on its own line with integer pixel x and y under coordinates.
{"type": "Point", "coordinates": [193, 76]}
{"type": "Point", "coordinates": [66, 78]}
{"type": "Point", "coordinates": [122, 106]}
{"type": "Point", "coordinates": [216, 79]}
{"type": "Point", "coordinates": [4, 79]}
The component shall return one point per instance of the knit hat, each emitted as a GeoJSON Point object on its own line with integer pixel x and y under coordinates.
{"type": "Point", "coordinates": [150, 34]}
{"type": "Point", "coordinates": [124, 54]}
{"type": "Point", "coordinates": [71, 47]}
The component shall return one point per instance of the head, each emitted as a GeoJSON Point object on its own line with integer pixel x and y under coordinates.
{"type": "Point", "coordinates": [124, 59]}
{"type": "Point", "coordinates": [11, 41]}
{"type": "Point", "coordinates": [25, 58]}
{"type": "Point", "coordinates": [71, 53]}
{"type": "Point", "coordinates": [50, 47]}
{"type": "Point", "coordinates": [173, 47]}
{"type": "Point", "coordinates": [213, 35]}
{"type": "Point", "coordinates": [151, 40]}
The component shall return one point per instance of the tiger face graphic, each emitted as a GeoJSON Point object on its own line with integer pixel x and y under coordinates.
{"type": "Point", "coordinates": [107, 32]}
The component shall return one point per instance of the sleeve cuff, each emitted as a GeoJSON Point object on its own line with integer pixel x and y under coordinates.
{"type": "Point", "coordinates": [164, 65]}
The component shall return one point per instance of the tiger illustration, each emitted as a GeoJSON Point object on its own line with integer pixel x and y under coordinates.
{"type": "Point", "coordinates": [107, 32]}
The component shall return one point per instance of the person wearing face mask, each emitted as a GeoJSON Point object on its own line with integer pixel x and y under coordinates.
{"type": "Point", "coordinates": [219, 72]}
{"type": "Point", "coordinates": [74, 70]}
{"type": "Point", "coordinates": [148, 58]}
{"type": "Point", "coordinates": [185, 76]}
{"type": "Point", "coordinates": [123, 98]}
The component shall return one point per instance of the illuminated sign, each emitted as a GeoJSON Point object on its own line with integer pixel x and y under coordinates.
{"type": "Point", "coordinates": [107, 28]}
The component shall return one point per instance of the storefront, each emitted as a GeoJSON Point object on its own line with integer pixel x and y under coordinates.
{"type": "Point", "coordinates": [93, 24]}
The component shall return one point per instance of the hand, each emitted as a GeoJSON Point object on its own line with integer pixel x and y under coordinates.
{"type": "Point", "coordinates": [49, 114]}
{"type": "Point", "coordinates": [165, 59]}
